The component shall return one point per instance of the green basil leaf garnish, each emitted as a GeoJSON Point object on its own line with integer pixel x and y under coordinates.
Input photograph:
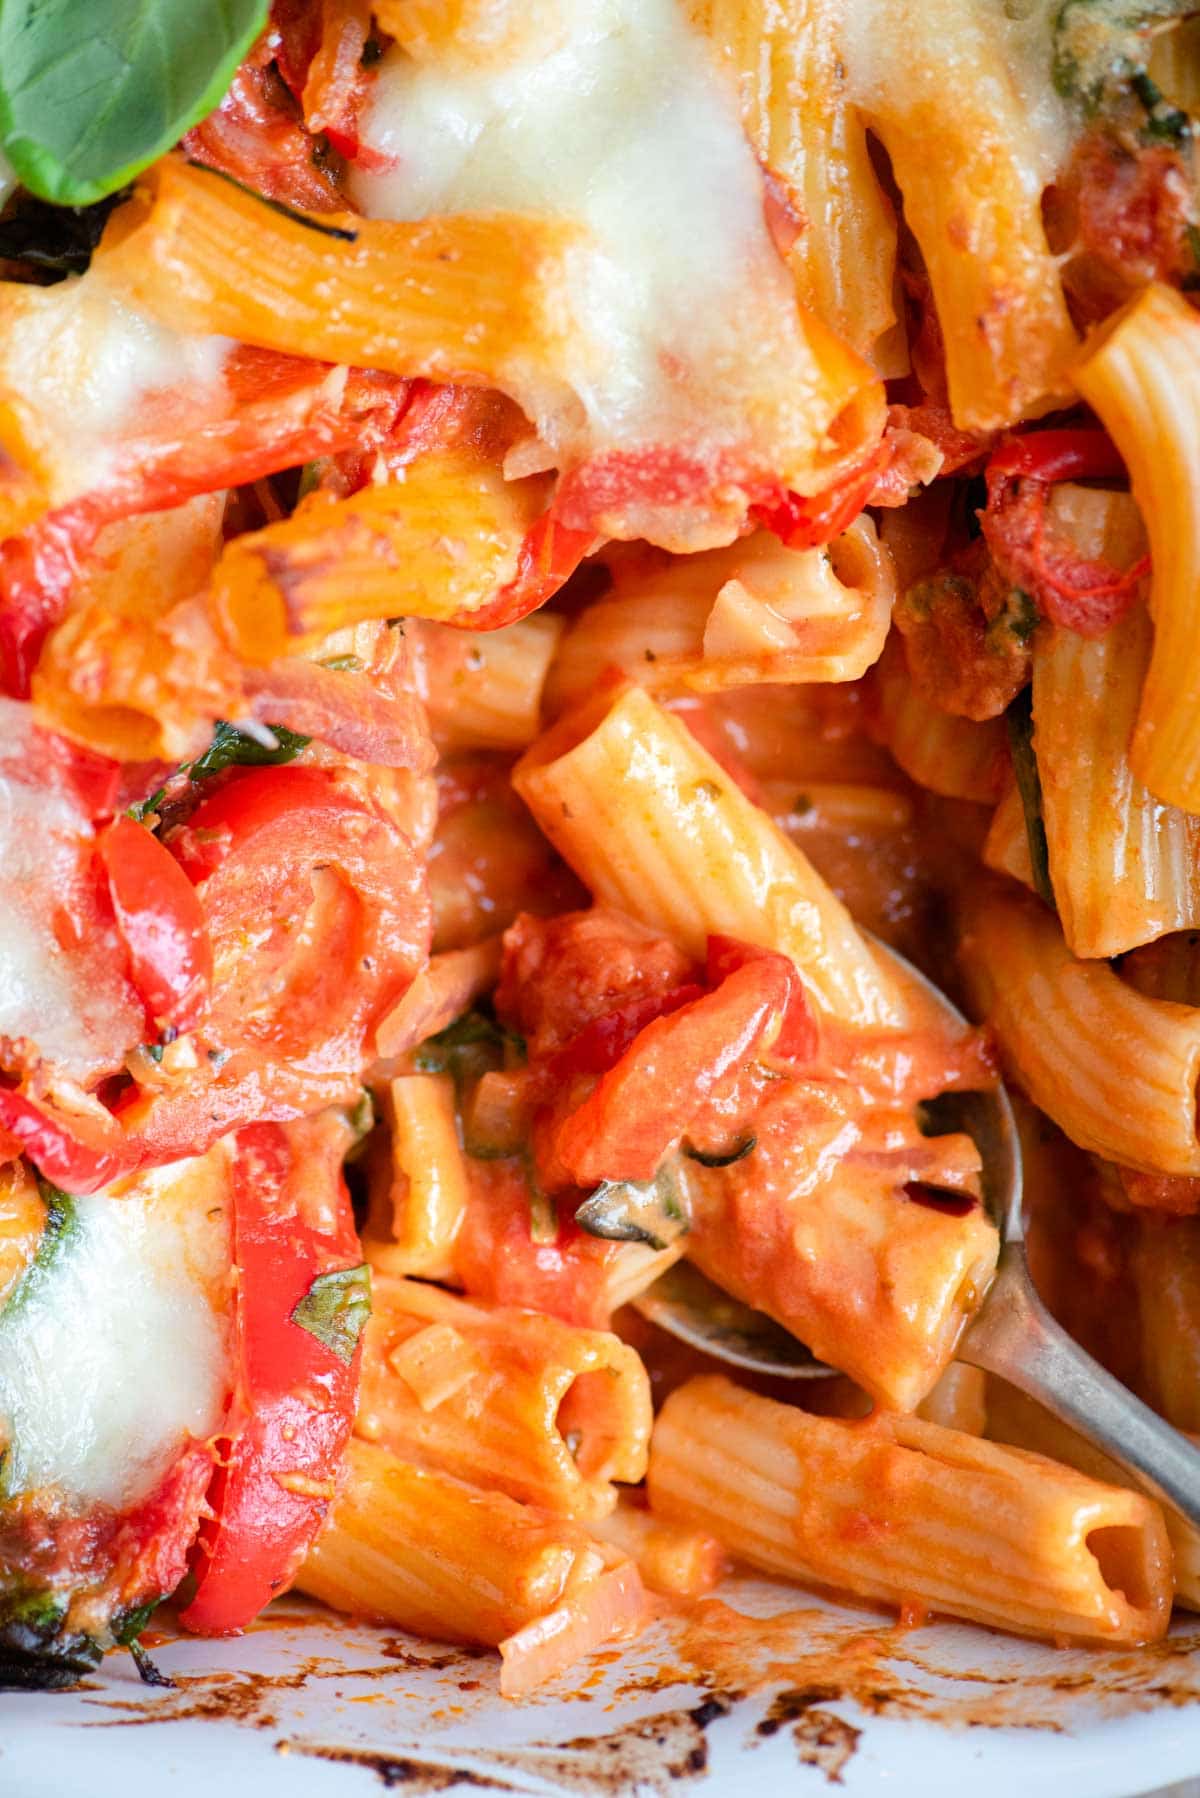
{"type": "Point", "coordinates": [91, 93]}
{"type": "Point", "coordinates": [335, 1309]}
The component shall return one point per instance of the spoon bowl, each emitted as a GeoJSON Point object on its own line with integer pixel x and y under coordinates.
{"type": "Point", "coordinates": [1012, 1334]}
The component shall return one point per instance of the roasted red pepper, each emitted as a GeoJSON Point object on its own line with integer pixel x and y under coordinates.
{"type": "Point", "coordinates": [300, 1305]}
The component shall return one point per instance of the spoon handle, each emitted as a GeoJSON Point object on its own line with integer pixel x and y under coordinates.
{"type": "Point", "coordinates": [1016, 1337]}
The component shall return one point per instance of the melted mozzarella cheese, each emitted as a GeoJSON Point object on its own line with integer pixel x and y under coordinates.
{"type": "Point", "coordinates": [118, 1351]}
{"type": "Point", "coordinates": [70, 999]}
{"type": "Point", "coordinates": [84, 361]}
{"type": "Point", "coordinates": [1010, 44]}
{"type": "Point", "coordinates": [684, 318]}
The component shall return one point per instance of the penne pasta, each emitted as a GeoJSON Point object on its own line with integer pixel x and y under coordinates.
{"type": "Point", "coordinates": [656, 828]}
{"type": "Point", "coordinates": [438, 541]}
{"type": "Point", "coordinates": [1116, 1071]}
{"type": "Point", "coordinates": [897, 1510]}
{"type": "Point", "coordinates": [1141, 374]}
{"type": "Point", "coordinates": [506, 1399]}
{"type": "Point", "coordinates": [817, 1227]}
{"type": "Point", "coordinates": [1125, 868]}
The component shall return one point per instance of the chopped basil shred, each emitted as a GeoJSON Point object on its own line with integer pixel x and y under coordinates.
{"type": "Point", "coordinates": [1019, 719]}
{"type": "Point", "coordinates": [723, 1158]}
{"type": "Point", "coordinates": [92, 94]}
{"type": "Point", "coordinates": [230, 748]}
{"type": "Point", "coordinates": [339, 232]}
{"type": "Point", "coordinates": [234, 748]}
{"type": "Point", "coordinates": [649, 1211]}
{"type": "Point", "coordinates": [335, 1309]}
{"type": "Point", "coordinates": [60, 1226]}
{"type": "Point", "coordinates": [1099, 59]}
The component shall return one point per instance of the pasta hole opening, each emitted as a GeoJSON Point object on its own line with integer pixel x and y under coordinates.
{"type": "Point", "coordinates": [588, 1423]}
{"type": "Point", "coordinates": [1119, 1552]}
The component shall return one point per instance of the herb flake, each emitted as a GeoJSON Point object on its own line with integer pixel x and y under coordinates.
{"type": "Point", "coordinates": [335, 1309]}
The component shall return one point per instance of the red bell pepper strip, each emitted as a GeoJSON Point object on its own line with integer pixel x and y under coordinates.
{"type": "Point", "coordinates": [1072, 455]}
{"type": "Point", "coordinates": [1080, 593]}
{"type": "Point", "coordinates": [600, 1044]}
{"type": "Point", "coordinates": [161, 920]}
{"type": "Point", "coordinates": [810, 522]}
{"type": "Point", "coordinates": [60, 1148]}
{"type": "Point", "coordinates": [295, 1391]}
{"type": "Point", "coordinates": [646, 1102]}
{"type": "Point", "coordinates": [798, 1035]}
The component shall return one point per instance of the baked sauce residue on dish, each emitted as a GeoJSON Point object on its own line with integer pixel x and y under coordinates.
{"type": "Point", "coordinates": [415, 1711]}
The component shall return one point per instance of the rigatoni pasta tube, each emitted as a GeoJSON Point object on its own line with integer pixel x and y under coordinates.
{"type": "Point", "coordinates": [1141, 373]}
{"type": "Point", "coordinates": [442, 537]}
{"type": "Point", "coordinates": [896, 1509]}
{"type": "Point", "coordinates": [483, 689]}
{"type": "Point", "coordinates": [953, 756]}
{"type": "Point", "coordinates": [1125, 868]}
{"type": "Point", "coordinates": [1021, 1422]}
{"type": "Point", "coordinates": [969, 165]}
{"type": "Point", "coordinates": [753, 612]}
{"type": "Point", "coordinates": [791, 81]}
{"type": "Point", "coordinates": [452, 298]}
{"type": "Point", "coordinates": [427, 1185]}
{"type": "Point", "coordinates": [684, 1563]}
{"type": "Point", "coordinates": [414, 1547]}
{"type": "Point", "coordinates": [1116, 1071]}
{"type": "Point", "coordinates": [654, 826]}
{"type": "Point", "coordinates": [1165, 1264]}
{"type": "Point", "coordinates": [135, 670]}
{"type": "Point", "coordinates": [504, 1398]}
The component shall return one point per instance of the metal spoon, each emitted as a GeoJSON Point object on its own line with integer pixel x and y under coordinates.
{"type": "Point", "coordinates": [1012, 1334]}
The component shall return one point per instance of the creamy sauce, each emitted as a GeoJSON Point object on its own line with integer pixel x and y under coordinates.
{"type": "Point", "coordinates": [118, 1352]}
{"type": "Point", "coordinates": [680, 303]}
{"type": "Point", "coordinates": [70, 998]}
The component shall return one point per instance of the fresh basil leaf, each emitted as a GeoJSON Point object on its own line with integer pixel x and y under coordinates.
{"type": "Point", "coordinates": [90, 94]}
{"type": "Point", "coordinates": [649, 1211]}
{"type": "Point", "coordinates": [335, 1309]}
{"type": "Point", "coordinates": [1019, 719]}
{"type": "Point", "coordinates": [473, 1045]}
{"type": "Point", "coordinates": [234, 748]}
